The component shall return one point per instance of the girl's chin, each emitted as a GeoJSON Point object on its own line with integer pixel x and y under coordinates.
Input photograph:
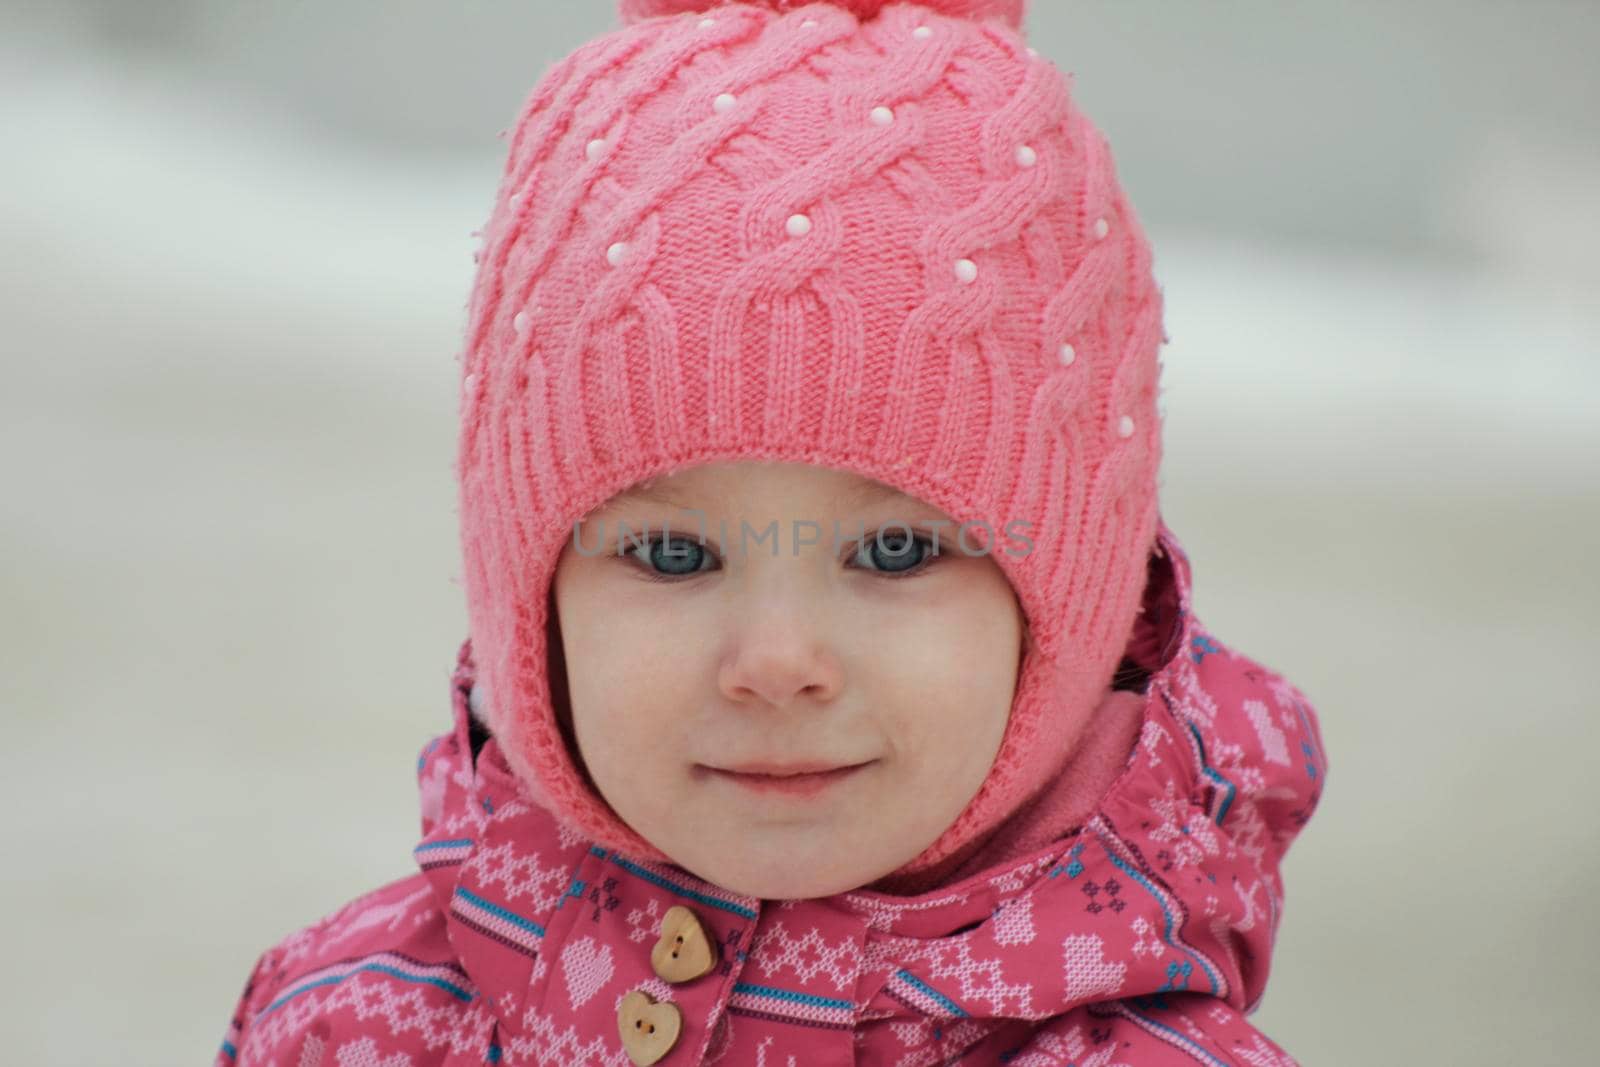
{"type": "Point", "coordinates": [800, 869]}
{"type": "Point", "coordinates": [790, 881]}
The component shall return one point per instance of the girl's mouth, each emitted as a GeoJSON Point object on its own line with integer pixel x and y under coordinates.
{"type": "Point", "coordinates": [795, 785]}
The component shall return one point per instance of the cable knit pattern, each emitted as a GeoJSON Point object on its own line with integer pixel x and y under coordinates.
{"type": "Point", "coordinates": [1009, 10]}
{"type": "Point", "coordinates": [879, 240]}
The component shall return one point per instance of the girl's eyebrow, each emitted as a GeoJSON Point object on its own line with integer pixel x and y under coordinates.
{"type": "Point", "coordinates": [871, 492]}
{"type": "Point", "coordinates": [654, 493]}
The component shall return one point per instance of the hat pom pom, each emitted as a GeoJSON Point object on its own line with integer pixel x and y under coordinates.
{"type": "Point", "coordinates": [1009, 10]}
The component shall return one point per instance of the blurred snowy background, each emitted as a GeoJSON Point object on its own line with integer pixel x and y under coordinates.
{"type": "Point", "coordinates": [237, 247]}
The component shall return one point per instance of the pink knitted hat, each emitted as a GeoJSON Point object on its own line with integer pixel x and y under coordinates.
{"type": "Point", "coordinates": [877, 238]}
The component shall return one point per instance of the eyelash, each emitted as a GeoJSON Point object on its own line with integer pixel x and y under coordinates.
{"type": "Point", "coordinates": [655, 576]}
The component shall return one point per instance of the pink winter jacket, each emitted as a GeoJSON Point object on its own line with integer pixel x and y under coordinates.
{"type": "Point", "coordinates": [1139, 939]}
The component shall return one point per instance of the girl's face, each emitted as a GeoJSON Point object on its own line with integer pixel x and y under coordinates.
{"type": "Point", "coordinates": [692, 651]}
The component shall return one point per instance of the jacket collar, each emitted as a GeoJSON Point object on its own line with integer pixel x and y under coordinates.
{"type": "Point", "coordinates": [1172, 885]}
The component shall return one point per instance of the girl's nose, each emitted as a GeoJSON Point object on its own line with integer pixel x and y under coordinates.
{"type": "Point", "coordinates": [780, 666]}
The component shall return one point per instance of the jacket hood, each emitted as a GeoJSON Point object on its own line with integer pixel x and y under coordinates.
{"type": "Point", "coordinates": [1170, 888]}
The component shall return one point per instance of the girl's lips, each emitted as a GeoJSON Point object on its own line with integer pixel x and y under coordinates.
{"type": "Point", "coordinates": [796, 785]}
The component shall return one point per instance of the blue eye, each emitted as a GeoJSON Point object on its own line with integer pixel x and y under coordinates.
{"type": "Point", "coordinates": [676, 556]}
{"type": "Point", "coordinates": [898, 552]}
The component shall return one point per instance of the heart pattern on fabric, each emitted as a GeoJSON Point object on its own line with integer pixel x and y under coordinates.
{"type": "Point", "coordinates": [1014, 924]}
{"type": "Point", "coordinates": [586, 970]}
{"type": "Point", "coordinates": [364, 1053]}
{"type": "Point", "coordinates": [1087, 969]}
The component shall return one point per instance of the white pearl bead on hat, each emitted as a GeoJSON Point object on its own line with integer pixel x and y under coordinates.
{"type": "Point", "coordinates": [1101, 227]}
{"type": "Point", "coordinates": [1026, 156]}
{"type": "Point", "coordinates": [617, 253]}
{"type": "Point", "coordinates": [1068, 354]}
{"type": "Point", "coordinates": [724, 103]}
{"type": "Point", "coordinates": [882, 116]}
{"type": "Point", "coordinates": [966, 271]}
{"type": "Point", "coordinates": [798, 225]}
{"type": "Point", "coordinates": [595, 147]}
{"type": "Point", "coordinates": [520, 322]}
{"type": "Point", "coordinates": [1125, 426]}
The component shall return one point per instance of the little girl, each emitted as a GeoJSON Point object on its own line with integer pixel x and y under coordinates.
{"type": "Point", "coordinates": [834, 693]}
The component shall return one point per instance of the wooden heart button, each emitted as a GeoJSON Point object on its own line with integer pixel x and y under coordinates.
{"type": "Point", "coordinates": [649, 1030]}
{"type": "Point", "coordinates": [684, 952]}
